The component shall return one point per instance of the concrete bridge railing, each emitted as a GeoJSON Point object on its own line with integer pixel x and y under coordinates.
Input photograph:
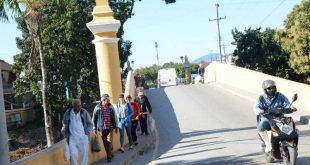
{"type": "Point", "coordinates": [251, 81]}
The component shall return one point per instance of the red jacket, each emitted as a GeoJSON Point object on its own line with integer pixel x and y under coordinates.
{"type": "Point", "coordinates": [135, 110]}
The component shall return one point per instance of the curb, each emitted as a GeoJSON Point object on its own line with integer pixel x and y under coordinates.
{"type": "Point", "coordinates": [148, 143]}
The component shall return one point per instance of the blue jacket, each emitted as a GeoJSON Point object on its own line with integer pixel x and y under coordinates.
{"type": "Point", "coordinates": [279, 100]}
{"type": "Point", "coordinates": [128, 114]}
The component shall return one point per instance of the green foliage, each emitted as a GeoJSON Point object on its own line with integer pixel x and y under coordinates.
{"type": "Point", "coordinates": [150, 73]}
{"type": "Point", "coordinates": [123, 10]}
{"type": "Point", "coordinates": [69, 55]}
{"type": "Point", "coordinates": [296, 38]}
{"type": "Point", "coordinates": [260, 51]}
{"type": "Point", "coordinates": [170, 1]}
{"type": "Point", "coordinates": [284, 53]}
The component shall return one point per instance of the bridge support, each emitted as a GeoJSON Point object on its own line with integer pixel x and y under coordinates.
{"type": "Point", "coordinates": [104, 27]}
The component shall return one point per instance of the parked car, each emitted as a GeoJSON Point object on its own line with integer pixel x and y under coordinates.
{"type": "Point", "coordinates": [167, 77]}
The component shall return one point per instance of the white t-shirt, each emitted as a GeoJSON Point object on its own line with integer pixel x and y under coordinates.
{"type": "Point", "coordinates": [76, 125]}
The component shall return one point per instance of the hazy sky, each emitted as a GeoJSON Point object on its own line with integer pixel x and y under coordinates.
{"type": "Point", "coordinates": [182, 28]}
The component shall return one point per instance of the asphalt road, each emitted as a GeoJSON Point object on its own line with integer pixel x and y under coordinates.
{"type": "Point", "coordinates": [204, 124]}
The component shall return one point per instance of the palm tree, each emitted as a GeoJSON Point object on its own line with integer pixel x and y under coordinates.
{"type": "Point", "coordinates": [33, 16]}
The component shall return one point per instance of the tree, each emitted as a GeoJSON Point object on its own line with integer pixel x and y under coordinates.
{"type": "Point", "coordinates": [123, 10]}
{"type": "Point", "coordinates": [33, 16]}
{"type": "Point", "coordinates": [296, 38]}
{"type": "Point", "coordinates": [70, 57]}
{"type": "Point", "coordinates": [59, 50]}
{"type": "Point", "coordinates": [149, 74]}
{"type": "Point", "coordinates": [260, 51]}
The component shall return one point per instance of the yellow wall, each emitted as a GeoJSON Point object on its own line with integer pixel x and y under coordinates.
{"type": "Point", "coordinates": [26, 115]}
{"type": "Point", "coordinates": [55, 155]}
{"type": "Point", "coordinates": [251, 81]}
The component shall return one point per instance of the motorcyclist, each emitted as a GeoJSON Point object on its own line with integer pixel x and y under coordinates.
{"type": "Point", "coordinates": [272, 99]}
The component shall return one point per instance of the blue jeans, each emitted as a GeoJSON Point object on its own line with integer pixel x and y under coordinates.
{"type": "Point", "coordinates": [263, 125]}
{"type": "Point", "coordinates": [128, 131]}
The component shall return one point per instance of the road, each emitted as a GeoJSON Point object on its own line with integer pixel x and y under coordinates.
{"type": "Point", "coordinates": [204, 124]}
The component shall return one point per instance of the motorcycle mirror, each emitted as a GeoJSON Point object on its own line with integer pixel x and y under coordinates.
{"type": "Point", "coordinates": [295, 96]}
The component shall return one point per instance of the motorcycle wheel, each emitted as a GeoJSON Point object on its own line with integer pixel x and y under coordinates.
{"type": "Point", "coordinates": [291, 156]}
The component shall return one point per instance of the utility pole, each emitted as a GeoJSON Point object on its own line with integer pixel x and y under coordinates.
{"type": "Point", "coordinates": [156, 46]}
{"type": "Point", "coordinates": [218, 27]}
{"type": "Point", "coordinates": [4, 146]}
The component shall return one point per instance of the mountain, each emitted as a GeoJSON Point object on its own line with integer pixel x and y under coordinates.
{"type": "Point", "coordinates": [207, 58]}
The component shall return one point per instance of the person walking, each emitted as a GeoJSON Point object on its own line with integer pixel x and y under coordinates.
{"type": "Point", "coordinates": [124, 113]}
{"type": "Point", "coordinates": [77, 126]}
{"type": "Point", "coordinates": [134, 119]}
{"type": "Point", "coordinates": [105, 121]}
{"type": "Point", "coordinates": [201, 72]}
{"type": "Point", "coordinates": [145, 110]}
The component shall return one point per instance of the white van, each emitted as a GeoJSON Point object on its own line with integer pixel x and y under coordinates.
{"type": "Point", "coordinates": [167, 77]}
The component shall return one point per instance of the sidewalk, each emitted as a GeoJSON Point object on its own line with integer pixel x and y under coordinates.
{"type": "Point", "coordinates": [146, 143]}
{"type": "Point", "coordinates": [300, 116]}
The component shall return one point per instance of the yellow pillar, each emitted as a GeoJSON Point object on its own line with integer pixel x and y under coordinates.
{"type": "Point", "coordinates": [104, 27]}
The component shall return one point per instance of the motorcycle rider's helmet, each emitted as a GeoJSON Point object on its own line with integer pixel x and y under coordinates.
{"type": "Point", "coordinates": [269, 87]}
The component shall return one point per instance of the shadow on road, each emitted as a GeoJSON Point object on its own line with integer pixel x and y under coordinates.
{"type": "Point", "coordinates": [231, 159]}
{"type": "Point", "coordinates": [167, 124]}
{"type": "Point", "coordinates": [169, 135]}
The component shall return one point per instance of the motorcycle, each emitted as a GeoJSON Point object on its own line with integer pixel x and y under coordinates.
{"type": "Point", "coordinates": [284, 132]}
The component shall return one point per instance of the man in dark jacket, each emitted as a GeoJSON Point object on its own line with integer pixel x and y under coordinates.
{"type": "Point", "coordinates": [105, 121]}
{"type": "Point", "coordinates": [77, 126]}
{"type": "Point", "coordinates": [145, 110]}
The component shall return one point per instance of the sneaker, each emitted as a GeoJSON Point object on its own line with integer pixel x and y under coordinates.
{"type": "Point", "coordinates": [131, 147]}
{"type": "Point", "coordinates": [122, 149]}
{"type": "Point", "coordinates": [109, 160]}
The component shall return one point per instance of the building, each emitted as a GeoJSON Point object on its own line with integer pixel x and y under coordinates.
{"type": "Point", "coordinates": [18, 110]}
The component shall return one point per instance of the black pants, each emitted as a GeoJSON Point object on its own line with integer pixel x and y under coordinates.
{"type": "Point", "coordinates": [134, 124]}
{"type": "Point", "coordinates": [143, 124]}
{"type": "Point", "coordinates": [107, 138]}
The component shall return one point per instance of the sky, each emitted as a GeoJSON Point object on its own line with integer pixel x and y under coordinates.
{"type": "Point", "coordinates": [180, 29]}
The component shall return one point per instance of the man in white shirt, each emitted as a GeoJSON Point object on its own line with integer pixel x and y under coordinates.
{"type": "Point", "coordinates": [77, 126]}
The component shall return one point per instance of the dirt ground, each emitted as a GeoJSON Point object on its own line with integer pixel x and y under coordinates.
{"type": "Point", "coordinates": [25, 141]}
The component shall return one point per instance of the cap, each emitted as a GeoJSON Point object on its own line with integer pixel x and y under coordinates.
{"type": "Point", "coordinates": [105, 96]}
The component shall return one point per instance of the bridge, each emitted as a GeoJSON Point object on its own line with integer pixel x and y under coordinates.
{"type": "Point", "coordinates": [211, 123]}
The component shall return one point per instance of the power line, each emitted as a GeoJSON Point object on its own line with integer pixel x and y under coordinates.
{"type": "Point", "coordinates": [271, 12]}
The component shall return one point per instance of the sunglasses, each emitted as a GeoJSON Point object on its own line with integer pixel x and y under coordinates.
{"type": "Point", "coordinates": [271, 88]}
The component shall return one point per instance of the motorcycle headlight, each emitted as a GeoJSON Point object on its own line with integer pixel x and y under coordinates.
{"type": "Point", "coordinates": [286, 128]}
